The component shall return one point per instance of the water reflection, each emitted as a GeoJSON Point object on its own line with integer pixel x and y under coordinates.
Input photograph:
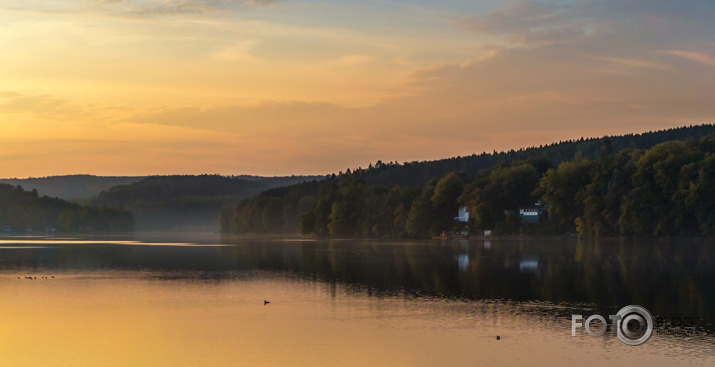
{"type": "Point", "coordinates": [667, 278]}
{"type": "Point", "coordinates": [463, 262]}
{"type": "Point", "coordinates": [520, 289]}
{"type": "Point", "coordinates": [529, 264]}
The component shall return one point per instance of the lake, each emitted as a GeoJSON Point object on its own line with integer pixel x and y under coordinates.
{"type": "Point", "coordinates": [198, 300]}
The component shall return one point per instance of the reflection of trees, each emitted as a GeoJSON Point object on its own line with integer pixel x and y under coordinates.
{"type": "Point", "coordinates": [667, 278]}
{"type": "Point", "coordinates": [670, 279]}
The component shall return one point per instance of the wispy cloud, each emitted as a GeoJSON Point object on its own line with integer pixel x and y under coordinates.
{"type": "Point", "coordinates": [144, 8]}
{"type": "Point", "coordinates": [36, 104]}
{"type": "Point", "coordinates": [264, 2]}
{"type": "Point", "coordinates": [528, 22]}
{"type": "Point", "coordinates": [532, 22]}
{"type": "Point", "coordinates": [635, 63]}
{"type": "Point", "coordinates": [694, 56]}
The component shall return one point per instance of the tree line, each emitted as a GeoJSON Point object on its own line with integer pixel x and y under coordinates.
{"type": "Point", "coordinates": [419, 173]}
{"type": "Point", "coordinates": [21, 210]}
{"type": "Point", "coordinates": [666, 190]}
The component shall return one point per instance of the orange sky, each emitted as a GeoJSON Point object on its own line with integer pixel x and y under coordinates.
{"type": "Point", "coordinates": [134, 87]}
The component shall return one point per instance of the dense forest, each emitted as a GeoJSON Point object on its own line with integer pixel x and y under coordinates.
{"type": "Point", "coordinates": [652, 184]}
{"type": "Point", "coordinates": [190, 202]}
{"type": "Point", "coordinates": [419, 173]}
{"type": "Point", "coordinates": [21, 210]}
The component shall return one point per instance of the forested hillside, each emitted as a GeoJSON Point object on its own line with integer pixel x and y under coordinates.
{"type": "Point", "coordinates": [419, 173]}
{"type": "Point", "coordinates": [652, 184]}
{"type": "Point", "coordinates": [21, 210]}
{"type": "Point", "coordinates": [186, 201]}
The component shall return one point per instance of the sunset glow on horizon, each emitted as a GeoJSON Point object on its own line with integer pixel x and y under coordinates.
{"type": "Point", "coordinates": [270, 87]}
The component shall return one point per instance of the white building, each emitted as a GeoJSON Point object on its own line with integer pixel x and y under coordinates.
{"type": "Point", "coordinates": [462, 214]}
{"type": "Point", "coordinates": [529, 212]}
{"type": "Point", "coordinates": [533, 214]}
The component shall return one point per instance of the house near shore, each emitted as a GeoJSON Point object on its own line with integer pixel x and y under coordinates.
{"type": "Point", "coordinates": [534, 213]}
{"type": "Point", "coordinates": [462, 214]}
{"type": "Point", "coordinates": [462, 218]}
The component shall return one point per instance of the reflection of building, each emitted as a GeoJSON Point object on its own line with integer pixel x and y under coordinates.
{"type": "Point", "coordinates": [463, 262]}
{"type": "Point", "coordinates": [534, 213]}
{"type": "Point", "coordinates": [529, 264]}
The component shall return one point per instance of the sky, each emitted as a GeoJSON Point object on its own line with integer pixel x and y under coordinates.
{"type": "Point", "coordinates": [270, 87]}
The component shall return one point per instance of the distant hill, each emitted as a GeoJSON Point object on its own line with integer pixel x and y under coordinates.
{"type": "Point", "coordinates": [187, 202]}
{"type": "Point", "coordinates": [71, 186]}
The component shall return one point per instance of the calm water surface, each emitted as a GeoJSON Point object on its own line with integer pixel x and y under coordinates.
{"type": "Point", "coordinates": [198, 300]}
